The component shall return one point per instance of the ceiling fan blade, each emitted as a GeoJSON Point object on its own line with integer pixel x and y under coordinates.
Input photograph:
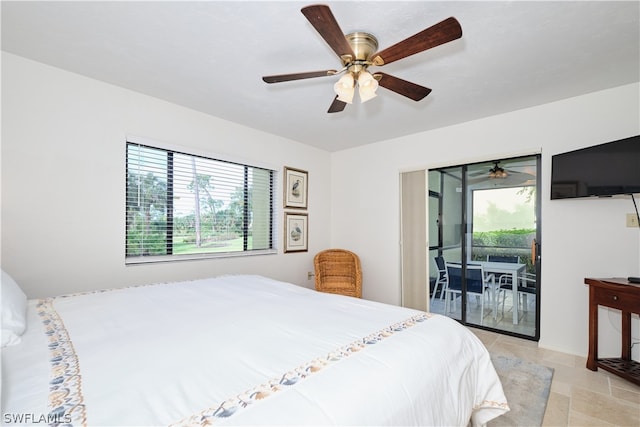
{"type": "Point", "coordinates": [336, 106]}
{"type": "Point", "coordinates": [297, 76]}
{"type": "Point", "coordinates": [325, 23]}
{"type": "Point", "coordinates": [403, 87]}
{"type": "Point", "coordinates": [440, 33]}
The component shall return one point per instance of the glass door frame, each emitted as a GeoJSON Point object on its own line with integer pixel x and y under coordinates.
{"type": "Point", "coordinates": [465, 239]}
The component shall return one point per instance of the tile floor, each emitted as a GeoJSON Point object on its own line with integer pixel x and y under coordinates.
{"type": "Point", "coordinates": [579, 397]}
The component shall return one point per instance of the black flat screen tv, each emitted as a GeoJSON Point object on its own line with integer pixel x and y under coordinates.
{"type": "Point", "coordinates": [601, 170]}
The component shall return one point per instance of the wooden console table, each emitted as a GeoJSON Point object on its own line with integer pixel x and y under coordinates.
{"type": "Point", "coordinates": [622, 295]}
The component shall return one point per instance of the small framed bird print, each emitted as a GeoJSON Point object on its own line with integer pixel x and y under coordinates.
{"type": "Point", "coordinates": [296, 184]}
{"type": "Point", "coordinates": [296, 229]}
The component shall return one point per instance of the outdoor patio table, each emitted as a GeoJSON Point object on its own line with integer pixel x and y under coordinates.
{"type": "Point", "coordinates": [505, 268]}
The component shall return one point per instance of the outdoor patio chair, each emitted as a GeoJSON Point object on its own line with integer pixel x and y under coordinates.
{"type": "Point", "coordinates": [442, 280]}
{"type": "Point", "coordinates": [526, 286]}
{"type": "Point", "coordinates": [505, 279]}
{"type": "Point", "coordinates": [503, 258]}
{"type": "Point", "coordinates": [477, 283]}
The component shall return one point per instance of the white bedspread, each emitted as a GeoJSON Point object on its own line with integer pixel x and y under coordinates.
{"type": "Point", "coordinates": [243, 350]}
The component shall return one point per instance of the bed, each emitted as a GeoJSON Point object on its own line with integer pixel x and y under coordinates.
{"type": "Point", "coordinates": [240, 350]}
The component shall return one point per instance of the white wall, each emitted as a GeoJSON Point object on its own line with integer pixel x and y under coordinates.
{"type": "Point", "coordinates": [63, 181]}
{"type": "Point", "coordinates": [63, 191]}
{"type": "Point", "coordinates": [580, 238]}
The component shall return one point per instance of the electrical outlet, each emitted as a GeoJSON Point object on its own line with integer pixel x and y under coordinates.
{"type": "Point", "coordinates": [632, 220]}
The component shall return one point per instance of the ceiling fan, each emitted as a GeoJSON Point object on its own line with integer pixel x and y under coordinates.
{"type": "Point", "coordinates": [499, 174]}
{"type": "Point", "coordinates": [358, 51]}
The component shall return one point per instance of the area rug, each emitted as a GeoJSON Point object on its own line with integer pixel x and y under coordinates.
{"type": "Point", "coordinates": [527, 386]}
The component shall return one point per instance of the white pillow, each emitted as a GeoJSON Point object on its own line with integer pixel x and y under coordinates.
{"type": "Point", "coordinates": [14, 311]}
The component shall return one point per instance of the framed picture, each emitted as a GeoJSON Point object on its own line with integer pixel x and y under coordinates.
{"type": "Point", "coordinates": [296, 230]}
{"type": "Point", "coordinates": [295, 188]}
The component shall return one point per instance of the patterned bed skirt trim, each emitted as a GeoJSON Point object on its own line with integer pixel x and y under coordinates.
{"type": "Point", "coordinates": [492, 404]}
{"type": "Point", "coordinates": [234, 404]}
{"type": "Point", "coordinates": [66, 402]}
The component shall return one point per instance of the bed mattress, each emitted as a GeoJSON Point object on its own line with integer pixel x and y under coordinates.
{"type": "Point", "coordinates": [243, 350]}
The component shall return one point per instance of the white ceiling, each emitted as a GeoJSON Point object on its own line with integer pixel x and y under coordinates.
{"type": "Point", "coordinates": [210, 56]}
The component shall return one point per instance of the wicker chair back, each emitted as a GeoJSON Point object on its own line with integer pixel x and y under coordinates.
{"type": "Point", "coordinates": [338, 271]}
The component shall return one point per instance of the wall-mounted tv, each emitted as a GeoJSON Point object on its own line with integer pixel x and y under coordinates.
{"type": "Point", "coordinates": [601, 170]}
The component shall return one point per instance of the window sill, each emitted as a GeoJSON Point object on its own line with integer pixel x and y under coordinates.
{"type": "Point", "coordinates": [191, 257]}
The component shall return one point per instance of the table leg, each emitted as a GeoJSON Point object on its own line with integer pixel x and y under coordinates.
{"type": "Point", "coordinates": [626, 335]}
{"type": "Point", "coordinates": [592, 357]}
{"type": "Point", "coordinates": [516, 301]}
{"type": "Point", "coordinates": [493, 298]}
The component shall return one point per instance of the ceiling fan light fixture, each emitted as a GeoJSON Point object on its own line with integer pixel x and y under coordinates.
{"type": "Point", "coordinates": [344, 88]}
{"type": "Point", "coordinates": [497, 172]}
{"type": "Point", "coordinates": [367, 86]}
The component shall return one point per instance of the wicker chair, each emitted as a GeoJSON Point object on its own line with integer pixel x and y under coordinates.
{"type": "Point", "coordinates": [338, 272]}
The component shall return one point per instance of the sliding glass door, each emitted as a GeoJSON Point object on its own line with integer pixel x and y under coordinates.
{"type": "Point", "coordinates": [483, 224]}
{"type": "Point", "coordinates": [445, 223]}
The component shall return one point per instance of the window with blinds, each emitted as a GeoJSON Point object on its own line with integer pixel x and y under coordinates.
{"type": "Point", "coordinates": [180, 205]}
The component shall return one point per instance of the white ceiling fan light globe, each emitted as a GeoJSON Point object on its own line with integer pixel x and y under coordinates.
{"type": "Point", "coordinates": [344, 88]}
{"type": "Point", "coordinates": [367, 86]}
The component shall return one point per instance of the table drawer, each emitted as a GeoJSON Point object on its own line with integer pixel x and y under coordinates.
{"type": "Point", "coordinates": [619, 299]}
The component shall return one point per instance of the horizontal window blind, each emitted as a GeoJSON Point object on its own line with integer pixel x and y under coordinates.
{"type": "Point", "coordinates": [180, 205]}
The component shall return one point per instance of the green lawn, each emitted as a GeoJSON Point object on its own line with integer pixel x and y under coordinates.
{"type": "Point", "coordinates": [233, 245]}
